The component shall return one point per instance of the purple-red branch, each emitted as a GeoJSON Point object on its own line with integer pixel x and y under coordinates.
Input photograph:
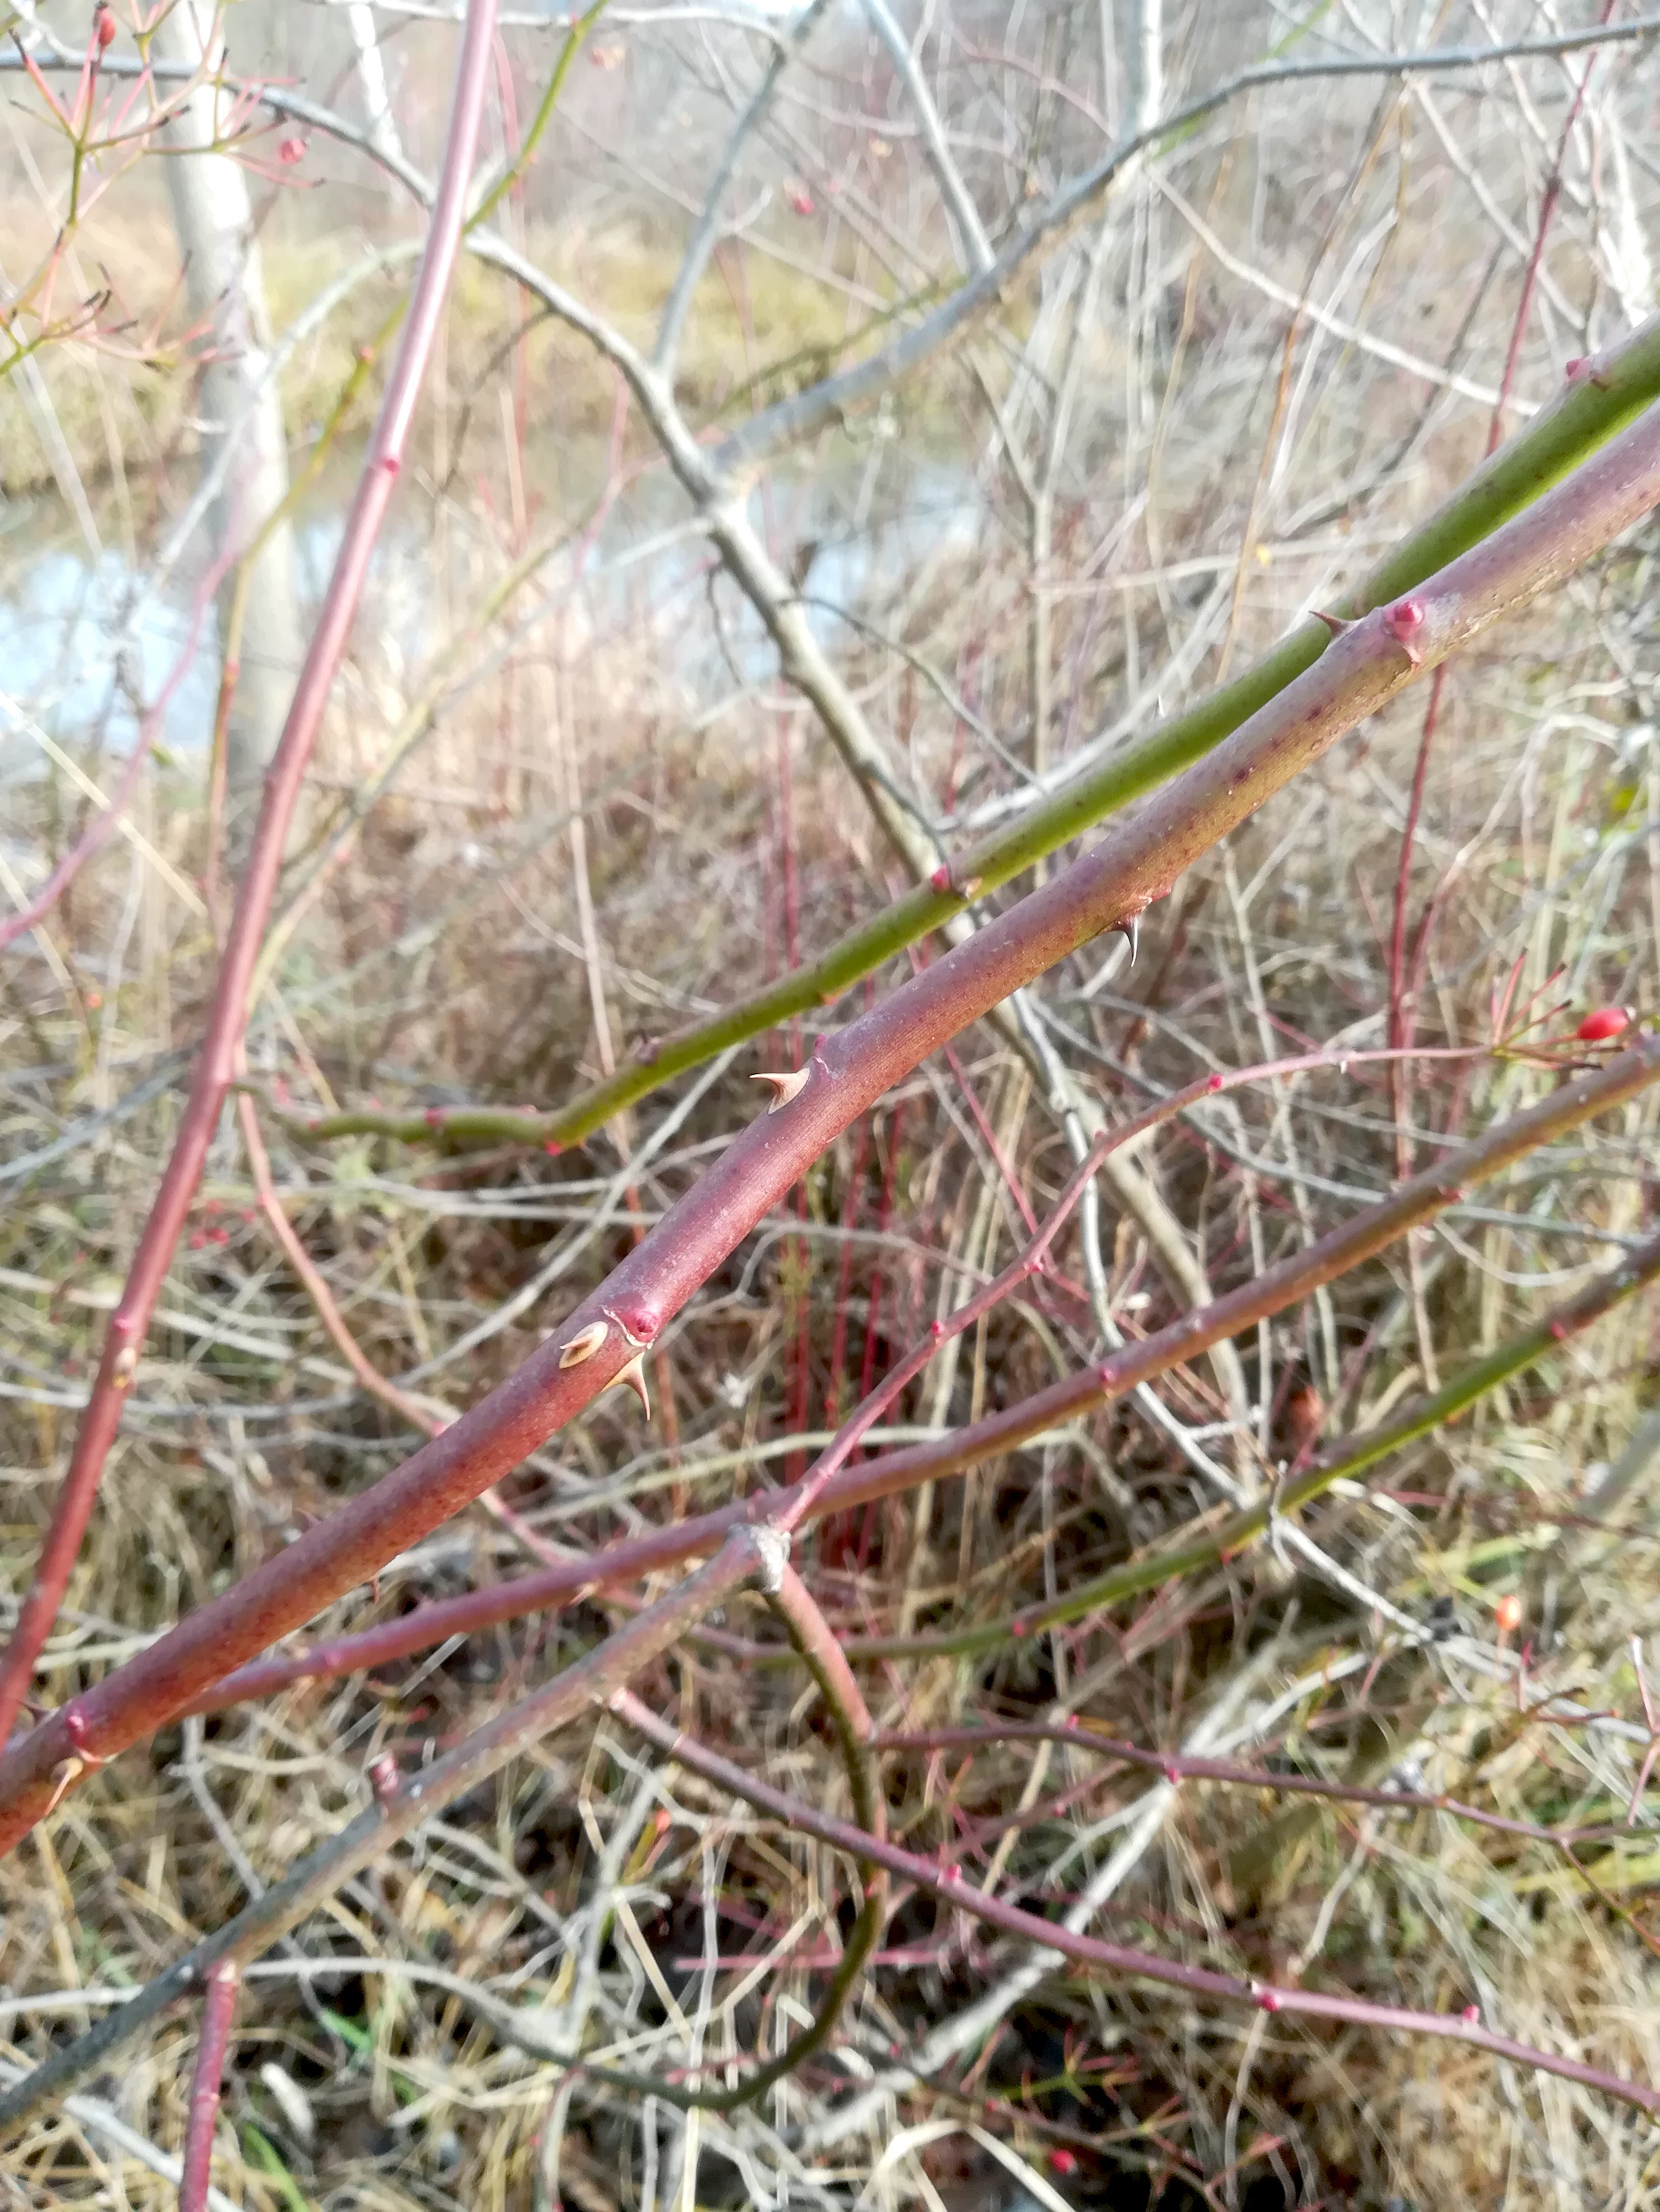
{"type": "Point", "coordinates": [1189, 1766]}
{"type": "Point", "coordinates": [218, 2009]}
{"type": "Point", "coordinates": [1134, 864]}
{"type": "Point", "coordinates": [215, 1065]}
{"type": "Point", "coordinates": [1465, 2027]}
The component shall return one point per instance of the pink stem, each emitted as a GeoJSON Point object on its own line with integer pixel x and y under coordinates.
{"type": "Point", "coordinates": [1114, 1959]}
{"type": "Point", "coordinates": [215, 1065]}
{"type": "Point", "coordinates": [639, 1556]}
{"type": "Point", "coordinates": [1176, 1765]}
{"type": "Point", "coordinates": [853, 1431]}
{"type": "Point", "coordinates": [1552, 194]}
{"type": "Point", "coordinates": [1135, 863]}
{"type": "Point", "coordinates": [1401, 1013]}
{"type": "Point", "coordinates": [981, 1121]}
{"type": "Point", "coordinates": [218, 2009]}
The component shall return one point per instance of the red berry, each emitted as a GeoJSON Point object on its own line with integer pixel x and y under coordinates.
{"type": "Point", "coordinates": [1605, 1023]}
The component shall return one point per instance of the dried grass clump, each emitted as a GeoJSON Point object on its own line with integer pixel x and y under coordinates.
{"type": "Point", "coordinates": [612, 814]}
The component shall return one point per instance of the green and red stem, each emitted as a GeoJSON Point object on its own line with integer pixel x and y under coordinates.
{"type": "Point", "coordinates": [1366, 664]}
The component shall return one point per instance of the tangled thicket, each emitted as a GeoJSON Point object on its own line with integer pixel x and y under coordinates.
{"type": "Point", "coordinates": [1213, 403]}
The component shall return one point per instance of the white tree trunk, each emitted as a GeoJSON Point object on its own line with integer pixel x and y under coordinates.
{"type": "Point", "coordinates": [241, 408]}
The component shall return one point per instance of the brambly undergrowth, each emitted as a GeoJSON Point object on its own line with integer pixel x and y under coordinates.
{"type": "Point", "coordinates": [829, 1377]}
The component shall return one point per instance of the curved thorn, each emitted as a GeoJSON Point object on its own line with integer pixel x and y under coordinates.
{"type": "Point", "coordinates": [633, 1378]}
{"type": "Point", "coordinates": [784, 1087]}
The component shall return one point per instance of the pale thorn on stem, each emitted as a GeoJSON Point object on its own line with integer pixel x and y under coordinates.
{"type": "Point", "coordinates": [125, 1367]}
{"type": "Point", "coordinates": [66, 1771]}
{"type": "Point", "coordinates": [1130, 931]}
{"type": "Point", "coordinates": [633, 1378]}
{"type": "Point", "coordinates": [584, 1344]}
{"type": "Point", "coordinates": [1335, 623]}
{"type": "Point", "coordinates": [784, 1087]}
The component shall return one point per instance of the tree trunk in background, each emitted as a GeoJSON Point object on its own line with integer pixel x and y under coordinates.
{"type": "Point", "coordinates": [241, 407]}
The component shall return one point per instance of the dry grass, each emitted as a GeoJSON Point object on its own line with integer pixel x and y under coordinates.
{"type": "Point", "coordinates": [447, 961]}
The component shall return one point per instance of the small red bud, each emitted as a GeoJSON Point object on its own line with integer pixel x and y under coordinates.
{"type": "Point", "coordinates": [198, 1238]}
{"type": "Point", "coordinates": [1063, 2161]}
{"type": "Point", "coordinates": [638, 1320]}
{"type": "Point", "coordinates": [940, 881]}
{"type": "Point", "coordinates": [1269, 1999]}
{"type": "Point", "coordinates": [1576, 369]}
{"type": "Point", "coordinates": [1557, 1331]}
{"type": "Point", "coordinates": [553, 1148]}
{"type": "Point", "coordinates": [103, 27]}
{"type": "Point", "coordinates": [801, 203]}
{"type": "Point", "coordinates": [1605, 1023]}
{"type": "Point", "coordinates": [1508, 1613]}
{"type": "Point", "coordinates": [1215, 1083]}
{"type": "Point", "coordinates": [290, 151]}
{"type": "Point", "coordinates": [1017, 1628]}
{"type": "Point", "coordinates": [1470, 2015]}
{"type": "Point", "coordinates": [1403, 621]}
{"type": "Point", "coordinates": [434, 1119]}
